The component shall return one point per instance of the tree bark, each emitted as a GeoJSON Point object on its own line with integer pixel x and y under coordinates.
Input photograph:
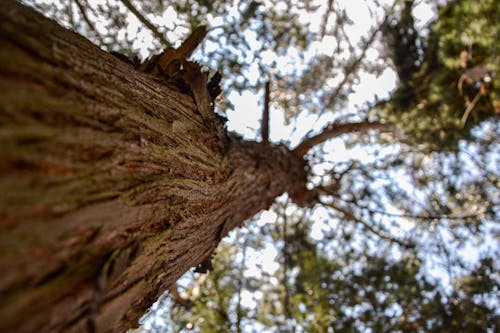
{"type": "Point", "coordinates": [111, 184]}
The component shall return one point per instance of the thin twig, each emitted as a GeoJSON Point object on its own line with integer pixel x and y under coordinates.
{"type": "Point", "coordinates": [326, 16]}
{"type": "Point", "coordinates": [146, 22]}
{"type": "Point", "coordinates": [350, 69]}
{"type": "Point", "coordinates": [469, 108]}
{"type": "Point", "coordinates": [241, 277]}
{"type": "Point", "coordinates": [325, 190]}
{"type": "Point", "coordinates": [348, 215]}
{"type": "Point", "coordinates": [264, 130]}
{"type": "Point", "coordinates": [89, 22]}
{"type": "Point", "coordinates": [285, 254]}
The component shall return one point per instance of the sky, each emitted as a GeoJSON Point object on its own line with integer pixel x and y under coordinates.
{"type": "Point", "coordinates": [245, 119]}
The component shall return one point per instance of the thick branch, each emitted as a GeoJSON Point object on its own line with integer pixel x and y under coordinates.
{"type": "Point", "coordinates": [335, 130]}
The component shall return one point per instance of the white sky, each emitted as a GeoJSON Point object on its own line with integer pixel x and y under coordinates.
{"type": "Point", "coordinates": [245, 118]}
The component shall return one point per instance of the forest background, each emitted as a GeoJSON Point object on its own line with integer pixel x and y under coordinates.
{"type": "Point", "coordinates": [404, 233]}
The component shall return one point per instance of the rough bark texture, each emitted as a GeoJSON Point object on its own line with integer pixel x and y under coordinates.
{"type": "Point", "coordinates": [111, 185]}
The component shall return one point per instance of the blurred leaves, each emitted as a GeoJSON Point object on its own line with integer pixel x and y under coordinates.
{"type": "Point", "coordinates": [432, 182]}
{"type": "Point", "coordinates": [438, 100]}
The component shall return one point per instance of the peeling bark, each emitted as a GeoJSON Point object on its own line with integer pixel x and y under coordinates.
{"type": "Point", "coordinates": [111, 184]}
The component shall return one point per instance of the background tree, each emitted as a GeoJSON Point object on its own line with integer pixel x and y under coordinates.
{"type": "Point", "coordinates": [448, 84]}
{"type": "Point", "coordinates": [423, 194]}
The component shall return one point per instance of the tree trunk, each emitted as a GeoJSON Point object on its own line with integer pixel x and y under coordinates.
{"type": "Point", "coordinates": [111, 184]}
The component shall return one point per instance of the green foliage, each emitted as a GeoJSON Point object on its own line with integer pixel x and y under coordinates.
{"type": "Point", "coordinates": [360, 292]}
{"type": "Point", "coordinates": [457, 73]}
{"type": "Point", "coordinates": [358, 276]}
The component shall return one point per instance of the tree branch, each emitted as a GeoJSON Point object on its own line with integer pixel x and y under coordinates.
{"type": "Point", "coordinates": [350, 69]}
{"type": "Point", "coordinates": [335, 130]}
{"type": "Point", "coordinates": [419, 217]}
{"type": "Point", "coordinates": [240, 284]}
{"type": "Point", "coordinates": [326, 16]}
{"type": "Point", "coordinates": [89, 22]}
{"type": "Point", "coordinates": [350, 216]}
{"type": "Point", "coordinates": [332, 190]}
{"type": "Point", "coordinates": [469, 109]}
{"type": "Point", "coordinates": [265, 114]}
{"type": "Point", "coordinates": [179, 299]}
{"type": "Point", "coordinates": [145, 21]}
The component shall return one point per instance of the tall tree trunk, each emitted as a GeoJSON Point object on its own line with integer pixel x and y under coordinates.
{"type": "Point", "coordinates": [111, 184]}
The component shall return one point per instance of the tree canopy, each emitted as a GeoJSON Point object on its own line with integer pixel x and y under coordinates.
{"type": "Point", "coordinates": [403, 235]}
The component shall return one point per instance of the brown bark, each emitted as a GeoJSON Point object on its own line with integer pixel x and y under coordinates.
{"type": "Point", "coordinates": [111, 184]}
